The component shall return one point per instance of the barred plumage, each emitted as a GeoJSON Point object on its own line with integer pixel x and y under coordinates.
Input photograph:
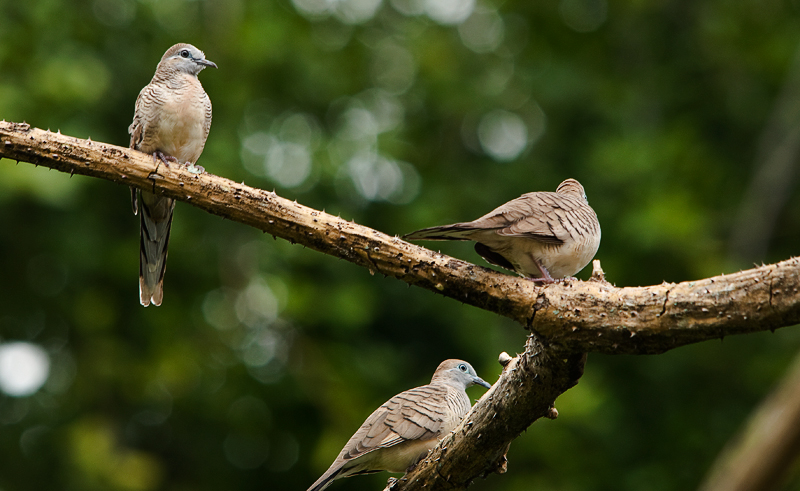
{"type": "Point", "coordinates": [171, 121]}
{"type": "Point", "coordinates": [402, 431]}
{"type": "Point", "coordinates": [541, 235]}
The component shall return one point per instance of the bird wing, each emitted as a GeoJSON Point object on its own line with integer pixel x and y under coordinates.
{"type": "Point", "coordinates": [532, 215]}
{"type": "Point", "coordinates": [525, 216]}
{"type": "Point", "coordinates": [136, 129]}
{"type": "Point", "coordinates": [146, 113]}
{"type": "Point", "coordinates": [207, 123]}
{"type": "Point", "coordinates": [416, 414]}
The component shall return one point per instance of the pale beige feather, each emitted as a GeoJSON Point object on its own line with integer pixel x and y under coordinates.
{"type": "Point", "coordinates": [402, 431]}
{"type": "Point", "coordinates": [171, 120]}
{"type": "Point", "coordinates": [539, 235]}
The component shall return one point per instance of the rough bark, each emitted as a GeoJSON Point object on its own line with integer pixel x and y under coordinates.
{"type": "Point", "coordinates": [583, 316]}
{"type": "Point", "coordinates": [597, 317]}
{"type": "Point", "coordinates": [272, 214]}
{"type": "Point", "coordinates": [567, 319]}
{"type": "Point", "coordinates": [525, 392]}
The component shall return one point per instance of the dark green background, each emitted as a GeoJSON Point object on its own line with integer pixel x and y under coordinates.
{"type": "Point", "coordinates": [265, 357]}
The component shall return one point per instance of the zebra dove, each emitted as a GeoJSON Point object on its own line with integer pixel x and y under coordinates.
{"type": "Point", "coordinates": [542, 236]}
{"type": "Point", "coordinates": [171, 122]}
{"type": "Point", "coordinates": [400, 433]}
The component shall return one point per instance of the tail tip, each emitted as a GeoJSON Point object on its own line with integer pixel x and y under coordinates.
{"type": "Point", "coordinates": [147, 296]}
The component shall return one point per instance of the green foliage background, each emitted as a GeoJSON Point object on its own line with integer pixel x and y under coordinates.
{"type": "Point", "coordinates": [265, 357]}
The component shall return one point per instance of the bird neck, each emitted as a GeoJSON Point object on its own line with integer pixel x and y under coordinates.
{"type": "Point", "coordinates": [448, 381]}
{"type": "Point", "coordinates": [174, 79]}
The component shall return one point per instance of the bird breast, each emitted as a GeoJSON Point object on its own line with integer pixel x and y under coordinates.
{"type": "Point", "coordinates": [175, 119]}
{"type": "Point", "coordinates": [180, 131]}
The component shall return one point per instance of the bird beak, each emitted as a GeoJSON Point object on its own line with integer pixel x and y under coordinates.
{"type": "Point", "coordinates": [480, 381]}
{"type": "Point", "coordinates": [206, 63]}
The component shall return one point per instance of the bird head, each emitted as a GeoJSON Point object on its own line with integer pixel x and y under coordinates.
{"type": "Point", "coordinates": [571, 187]}
{"type": "Point", "coordinates": [185, 58]}
{"type": "Point", "coordinates": [458, 372]}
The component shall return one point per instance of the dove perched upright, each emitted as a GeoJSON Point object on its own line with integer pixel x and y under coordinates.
{"type": "Point", "coordinates": [171, 122]}
{"type": "Point", "coordinates": [400, 433]}
{"type": "Point", "coordinates": [542, 235]}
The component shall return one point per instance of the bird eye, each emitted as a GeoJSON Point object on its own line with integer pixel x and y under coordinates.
{"type": "Point", "coordinates": [185, 53]}
{"type": "Point", "coordinates": [462, 367]}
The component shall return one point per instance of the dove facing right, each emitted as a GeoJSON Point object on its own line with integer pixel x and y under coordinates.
{"type": "Point", "coordinates": [171, 122]}
{"type": "Point", "coordinates": [400, 433]}
{"type": "Point", "coordinates": [542, 235]}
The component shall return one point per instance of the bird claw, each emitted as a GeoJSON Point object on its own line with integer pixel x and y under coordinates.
{"type": "Point", "coordinates": [545, 277]}
{"type": "Point", "coordinates": [164, 158]}
{"type": "Point", "coordinates": [546, 281]}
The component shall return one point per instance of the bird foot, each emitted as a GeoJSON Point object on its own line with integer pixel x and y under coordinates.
{"type": "Point", "coordinates": [546, 281]}
{"type": "Point", "coordinates": [157, 155]}
{"type": "Point", "coordinates": [545, 275]}
{"type": "Point", "coordinates": [195, 169]}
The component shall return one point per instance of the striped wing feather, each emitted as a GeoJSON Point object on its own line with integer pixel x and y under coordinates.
{"type": "Point", "coordinates": [540, 216]}
{"type": "Point", "coordinates": [411, 415]}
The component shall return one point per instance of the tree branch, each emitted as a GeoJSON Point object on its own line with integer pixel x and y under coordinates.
{"type": "Point", "coordinates": [597, 317]}
{"type": "Point", "coordinates": [525, 392]}
{"type": "Point", "coordinates": [266, 211]}
{"type": "Point", "coordinates": [583, 316]}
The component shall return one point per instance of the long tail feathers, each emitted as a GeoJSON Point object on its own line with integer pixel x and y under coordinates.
{"type": "Point", "coordinates": [155, 221]}
{"type": "Point", "coordinates": [455, 231]}
{"type": "Point", "coordinates": [326, 479]}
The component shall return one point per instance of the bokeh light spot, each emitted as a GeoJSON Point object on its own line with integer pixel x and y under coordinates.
{"type": "Point", "coordinates": [503, 135]}
{"type": "Point", "coordinates": [285, 153]}
{"type": "Point", "coordinates": [409, 7]}
{"type": "Point", "coordinates": [218, 309]}
{"type": "Point", "coordinates": [377, 178]}
{"type": "Point", "coordinates": [313, 9]}
{"type": "Point", "coordinates": [449, 12]}
{"type": "Point", "coordinates": [483, 31]}
{"type": "Point", "coordinates": [289, 164]}
{"type": "Point", "coordinates": [347, 11]}
{"type": "Point", "coordinates": [24, 368]}
{"type": "Point", "coordinates": [256, 303]}
{"type": "Point", "coordinates": [393, 68]}
{"type": "Point", "coordinates": [356, 11]}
